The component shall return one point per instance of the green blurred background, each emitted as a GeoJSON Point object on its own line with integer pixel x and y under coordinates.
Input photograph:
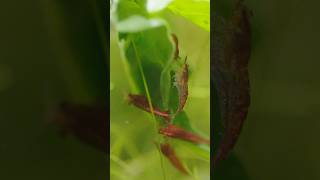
{"type": "Point", "coordinates": [50, 50]}
{"type": "Point", "coordinates": [133, 153]}
{"type": "Point", "coordinates": [280, 137]}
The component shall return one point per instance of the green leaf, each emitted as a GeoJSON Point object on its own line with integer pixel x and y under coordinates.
{"type": "Point", "coordinates": [154, 49]}
{"type": "Point", "coordinates": [153, 46]}
{"type": "Point", "coordinates": [197, 11]}
{"type": "Point", "coordinates": [127, 8]}
{"type": "Point", "coordinates": [201, 151]}
{"type": "Point", "coordinates": [165, 84]}
{"type": "Point", "coordinates": [182, 120]}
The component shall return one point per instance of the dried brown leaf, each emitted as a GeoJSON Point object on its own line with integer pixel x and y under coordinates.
{"type": "Point", "coordinates": [141, 102]}
{"type": "Point", "coordinates": [232, 79]}
{"type": "Point", "coordinates": [179, 133]}
{"type": "Point", "coordinates": [175, 40]}
{"type": "Point", "coordinates": [87, 123]}
{"type": "Point", "coordinates": [181, 81]}
{"type": "Point", "coordinates": [169, 152]}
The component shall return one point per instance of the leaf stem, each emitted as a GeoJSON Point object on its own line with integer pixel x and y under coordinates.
{"type": "Point", "coordinates": [150, 104]}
